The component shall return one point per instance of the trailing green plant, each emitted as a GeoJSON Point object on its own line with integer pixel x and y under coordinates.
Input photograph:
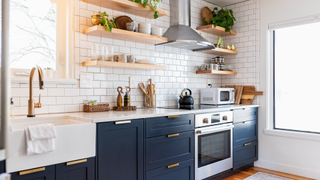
{"type": "Point", "coordinates": [108, 23]}
{"type": "Point", "coordinates": [223, 18]}
{"type": "Point", "coordinates": [48, 68]}
{"type": "Point", "coordinates": [153, 6]}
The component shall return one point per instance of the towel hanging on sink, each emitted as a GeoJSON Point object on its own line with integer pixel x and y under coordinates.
{"type": "Point", "coordinates": [40, 139]}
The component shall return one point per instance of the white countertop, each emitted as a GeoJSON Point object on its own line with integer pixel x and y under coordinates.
{"type": "Point", "coordinates": [110, 116]}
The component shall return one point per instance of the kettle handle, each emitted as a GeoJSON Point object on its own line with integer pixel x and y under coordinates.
{"type": "Point", "coordinates": [181, 95]}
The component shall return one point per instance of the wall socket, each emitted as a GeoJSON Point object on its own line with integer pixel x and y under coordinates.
{"type": "Point", "coordinates": [133, 82]}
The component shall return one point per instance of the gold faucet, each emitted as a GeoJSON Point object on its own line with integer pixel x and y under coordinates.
{"type": "Point", "coordinates": [31, 104]}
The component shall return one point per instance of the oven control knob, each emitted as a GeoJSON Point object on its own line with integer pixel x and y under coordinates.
{"type": "Point", "coordinates": [225, 118]}
{"type": "Point", "coordinates": [205, 120]}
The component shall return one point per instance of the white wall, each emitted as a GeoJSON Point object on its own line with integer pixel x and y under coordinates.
{"type": "Point", "coordinates": [290, 155]}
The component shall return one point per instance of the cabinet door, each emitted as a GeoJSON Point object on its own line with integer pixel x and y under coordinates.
{"type": "Point", "coordinates": [2, 166]}
{"type": "Point", "coordinates": [245, 154]}
{"type": "Point", "coordinates": [43, 173]}
{"type": "Point", "coordinates": [120, 150]}
{"type": "Point", "coordinates": [246, 131]}
{"type": "Point", "coordinates": [245, 114]}
{"type": "Point", "coordinates": [82, 169]}
{"type": "Point", "coordinates": [179, 171]}
{"type": "Point", "coordinates": [164, 150]}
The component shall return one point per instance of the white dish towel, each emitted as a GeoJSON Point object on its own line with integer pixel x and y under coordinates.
{"type": "Point", "coordinates": [40, 138]}
{"type": "Point", "coordinates": [5, 176]}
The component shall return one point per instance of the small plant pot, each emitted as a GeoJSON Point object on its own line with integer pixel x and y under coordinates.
{"type": "Point", "coordinates": [48, 74]}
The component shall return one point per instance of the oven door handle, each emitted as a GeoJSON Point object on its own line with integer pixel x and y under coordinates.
{"type": "Point", "coordinates": [201, 132]}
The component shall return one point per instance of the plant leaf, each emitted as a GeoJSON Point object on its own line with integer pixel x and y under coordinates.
{"type": "Point", "coordinates": [156, 14]}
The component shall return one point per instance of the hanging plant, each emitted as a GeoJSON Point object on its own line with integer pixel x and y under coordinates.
{"type": "Point", "coordinates": [153, 6]}
{"type": "Point", "coordinates": [223, 18]}
{"type": "Point", "coordinates": [108, 23]}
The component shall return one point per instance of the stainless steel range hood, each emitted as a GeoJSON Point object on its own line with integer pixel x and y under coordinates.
{"type": "Point", "coordinates": [180, 34]}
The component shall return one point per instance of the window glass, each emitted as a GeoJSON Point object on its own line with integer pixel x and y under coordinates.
{"type": "Point", "coordinates": [32, 33]}
{"type": "Point", "coordinates": [296, 78]}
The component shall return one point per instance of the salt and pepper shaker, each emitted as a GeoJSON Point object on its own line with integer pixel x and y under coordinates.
{"type": "Point", "coordinates": [127, 100]}
{"type": "Point", "coordinates": [119, 99]}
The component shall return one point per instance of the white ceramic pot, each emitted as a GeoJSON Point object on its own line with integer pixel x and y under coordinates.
{"type": "Point", "coordinates": [156, 31]}
{"type": "Point", "coordinates": [144, 28]}
{"type": "Point", "coordinates": [48, 74]}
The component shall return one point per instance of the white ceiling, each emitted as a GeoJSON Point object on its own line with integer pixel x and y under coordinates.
{"type": "Point", "coordinates": [223, 3]}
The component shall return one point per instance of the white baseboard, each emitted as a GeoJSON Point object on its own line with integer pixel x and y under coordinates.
{"type": "Point", "coordinates": [309, 173]}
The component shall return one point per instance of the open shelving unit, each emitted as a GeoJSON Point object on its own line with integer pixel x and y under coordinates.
{"type": "Point", "coordinates": [124, 35]}
{"type": "Point", "coordinates": [127, 7]}
{"type": "Point", "coordinates": [220, 31]}
{"type": "Point", "coordinates": [123, 65]}
{"type": "Point", "coordinates": [219, 51]}
{"type": "Point", "coordinates": [217, 72]}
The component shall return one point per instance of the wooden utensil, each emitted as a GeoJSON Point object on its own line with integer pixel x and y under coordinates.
{"type": "Point", "coordinates": [143, 88]}
{"type": "Point", "coordinates": [122, 21]}
{"type": "Point", "coordinates": [119, 98]}
{"type": "Point", "coordinates": [207, 13]}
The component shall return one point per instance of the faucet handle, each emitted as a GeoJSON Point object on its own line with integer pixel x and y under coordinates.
{"type": "Point", "coordinates": [38, 105]}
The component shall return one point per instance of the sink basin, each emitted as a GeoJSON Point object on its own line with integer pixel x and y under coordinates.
{"type": "Point", "coordinates": [76, 139]}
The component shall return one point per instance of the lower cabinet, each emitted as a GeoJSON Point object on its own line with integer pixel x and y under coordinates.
{"type": "Point", "coordinates": [83, 169]}
{"type": "Point", "coordinates": [245, 154]}
{"type": "Point", "coordinates": [2, 166]}
{"type": "Point", "coordinates": [42, 173]}
{"type": "Point", "coordinates": [178, 171]}
{"type": "Point", "coordinates": [120, 150]}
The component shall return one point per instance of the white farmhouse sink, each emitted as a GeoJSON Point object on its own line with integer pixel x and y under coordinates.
{"type": "Point", "coordinates": [75, 140]}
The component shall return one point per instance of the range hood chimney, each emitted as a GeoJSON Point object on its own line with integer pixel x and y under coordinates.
{"type": "Point", "coordinates": [180, 34]}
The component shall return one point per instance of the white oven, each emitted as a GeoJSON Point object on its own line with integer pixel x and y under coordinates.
{"type": "Point", "coordinates": [213, 144]}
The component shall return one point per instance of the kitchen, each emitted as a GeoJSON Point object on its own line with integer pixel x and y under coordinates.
{"type": "Point", "coordinates": [63, 96]}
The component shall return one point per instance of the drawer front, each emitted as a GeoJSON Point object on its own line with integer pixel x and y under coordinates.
{"type": "Point", "coordinates": [41, 173]}
{"type": "Point", "coordinates": [82, 169]}
{"type": "Point", "coordinates": [169, 125]}
{"type": "Point", "coordinates": [181, 171]}
{"type": "Point", "coordinates": [245, 154]}
{"type": "Point", "coordinates": [164, 150]}
{"type": "Point", "coordinates": [246, 131]}
{"type": "Point", "coordinates": [245, 114]}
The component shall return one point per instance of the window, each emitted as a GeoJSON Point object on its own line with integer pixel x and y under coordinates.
{"type": "Point", "coordinates": [296, 67]}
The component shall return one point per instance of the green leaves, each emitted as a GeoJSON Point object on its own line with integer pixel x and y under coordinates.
{"type": "Point", "coordinates": [109, 24]}
{"type": "Point", "coordinates": [223, 18]}
{"type": "Point", "coordinates": [153, 6]}
{"type": "Point", "coordinates": [205, 22]}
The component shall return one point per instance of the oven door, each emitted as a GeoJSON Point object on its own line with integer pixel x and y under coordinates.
{"type": "Point", "coordinates": [213, 151]}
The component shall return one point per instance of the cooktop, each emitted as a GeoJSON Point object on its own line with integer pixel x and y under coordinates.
{"type": "Point", "coordinates": [195, 107]}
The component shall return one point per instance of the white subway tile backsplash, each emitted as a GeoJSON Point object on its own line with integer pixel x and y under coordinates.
{"type": "Point", "coordinates": [56, 92]}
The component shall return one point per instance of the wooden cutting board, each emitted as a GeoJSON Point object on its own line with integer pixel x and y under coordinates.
{"type": "Point", "coordinates": [248, 94]}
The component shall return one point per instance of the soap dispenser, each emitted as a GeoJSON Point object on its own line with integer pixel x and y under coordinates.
{"type": "Point", "coordinates": [12, 109]}
{"type": "Point", "coordinates": [127, 100]}
{"type": "Point", "coordinates": [119, 98]}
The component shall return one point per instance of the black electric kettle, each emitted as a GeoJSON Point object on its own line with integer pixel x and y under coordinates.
{"type": "Point", "coordinates": [186, 101]}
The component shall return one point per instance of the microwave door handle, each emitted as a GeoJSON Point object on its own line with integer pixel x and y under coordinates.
{"type": "Point", "coordinates": [202, 132]}
{"type": "Point", "coordinates": [232, 99]}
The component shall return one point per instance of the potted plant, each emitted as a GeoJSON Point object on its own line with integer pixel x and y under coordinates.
{"type": "Point", "coordinates": [106, 22]}
{"type": "Point", "coordinates": [153, 4]}
{"type": "Point", "coordinates": [223, 18]}
{"type": "Point", "coordinates": [48, 73]}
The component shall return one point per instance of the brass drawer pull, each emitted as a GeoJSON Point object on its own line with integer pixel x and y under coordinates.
{"type": "Point", "coordinates": [173, 165]}
{"type": "Point", "coordinates": [123, 122]}
{"type": "Point", "coordinates": [76, 162]}
{"type": "Point", "coordinates": [32, 171]}
{"type": "Point", "coordinates": [173, 116]}
{"type": "Point", "coordinates": [246, 144]}
{"type": "Point", "coordinates": [173, 135]}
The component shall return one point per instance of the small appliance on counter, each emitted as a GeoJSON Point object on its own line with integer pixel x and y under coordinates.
{"type": "Point", "coordinates": [217, 96]}
{"type": "Point", "coordinates": [186, 101]}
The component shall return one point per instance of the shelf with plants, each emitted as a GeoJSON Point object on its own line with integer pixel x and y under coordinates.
{"type": "Point", "coordinates": [124, 35]}
{"type": "Point", "coordinates": [219, 31]}
{"type": "Point", "coordinates": [219, 51]}
{"type": "Point", "coordinates": [128, 7]}
{"type": "Point", "coordinates": [217, 72]}
{"type": "Point", "coordinates": [122, 65]}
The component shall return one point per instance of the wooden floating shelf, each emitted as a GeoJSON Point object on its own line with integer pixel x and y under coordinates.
{"type": "Point", "coordinates": [219, 51]}
{"type": "Point", "coordinates": [217, 72]}
{"type": "Point", "coordinates": [127, 7]}
{"type": "Point", "coordinates": [123, 65]}
{"type": "Point", "coordinates": [124, 35]}
{"type": "Point", "coordinates": [220, 31]}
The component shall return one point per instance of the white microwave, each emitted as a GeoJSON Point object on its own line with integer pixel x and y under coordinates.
{"type": "Point", "coordinates": [217, 96]}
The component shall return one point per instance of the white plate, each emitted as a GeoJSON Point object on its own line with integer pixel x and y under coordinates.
{"type": "Point", "coordinates": [145, 61]}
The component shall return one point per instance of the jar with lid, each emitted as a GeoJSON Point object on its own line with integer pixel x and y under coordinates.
{"type": "Point", "coordinates": [221, 63]}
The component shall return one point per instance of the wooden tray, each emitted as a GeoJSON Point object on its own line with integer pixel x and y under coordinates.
{"type": "Point", "coordinates": [125, 108]}
{"type": "Point", "coordinates": [96, 108]}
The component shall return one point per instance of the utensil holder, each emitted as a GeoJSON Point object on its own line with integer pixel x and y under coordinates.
{"type": "Point", "coordinates": [150, 102]}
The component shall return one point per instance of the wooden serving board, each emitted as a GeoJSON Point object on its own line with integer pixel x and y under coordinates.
{"type": "Point", "coordinates": [125, 108]}
{"type": "Point", "coordinates": [237, 91]}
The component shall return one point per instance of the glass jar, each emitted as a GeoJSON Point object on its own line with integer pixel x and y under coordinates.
{"type": "Point", "coordinates": [150, 102]}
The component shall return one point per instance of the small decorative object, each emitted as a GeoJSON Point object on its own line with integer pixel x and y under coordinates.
{"type": "Point", "coordinates": [119, 98]}
{"type": "Point", "coordinates": [130, 59]}
{"type": "Point", "coordinates": [48, 73]}
{"type": "Point", "coordinates": [220, 42]}
{"type": "Point", "coordinates": [228, 47]}
{"type": "Point", "coordinates": [157, 31]}
{"type": "Point", "coordinates": [144, 28]}
{"type": "Point", "coordinates": [96, 19]}
{"type": "Point", "coordinates": [116, 58]}
{"type": "Point", "coordinates": [122, 58]}
{"type": "Point", "coordinates": [96, 108]}
{"type": "Point", "coordinates": [108, 23]}
{"type": "Point", "coordinates": [223, 18]}
{"type": "Point", "coordinates": [233, 47]}
{"type": "Point", "coordinates": [131, 26]}
{"type": "Point", "coordinates": [127, 100]}
{"type": "Point", "coordinates": [152, 4]}
{"type": "Point", "coordinates": [121, 22]}
{"type": "Point", "coordinates": [203, 67]}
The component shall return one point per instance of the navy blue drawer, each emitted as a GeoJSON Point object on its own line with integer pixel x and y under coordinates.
{"type": "Point", "coordinates": [244, 132]}
{"type": "Point", "coordinates": [184, 171]}
{"type": "Point", "coordinates": [164, 150]}
{"type": "Point", "coordinates": [245, 154]}
{"type": "Point", "coordinates": [80, 170]}
{"type": "Point", "coordinates": [2, 167]}
{"type": "Point", "coordinates": [169, 125]}
{"type": "Point", "coordinates": [245, 114]}
{"type": "Point", "coordinates": [48, 173]}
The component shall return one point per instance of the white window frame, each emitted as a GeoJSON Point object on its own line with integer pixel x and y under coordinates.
{"type": "Point", "coordinates": [270, 130]}
{"type": "Point", "coordinates": [64, 45]}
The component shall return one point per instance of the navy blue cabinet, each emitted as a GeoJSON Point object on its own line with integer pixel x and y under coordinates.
{"type": "Point", "coordinates": [244, 132]}
{"type": "Point", "coordinates": [178, 171]}
{"type": "Point", "coordinates": [42, 173]}
{"type": "Point", "coordinates": [82, 169]}
{"type": "Point", "coordinates": [120, 150]}
{"type": "Point", "coordinates": [2, 166]}
{"type": "Point", "coordinates": [245, 114]}
{"type": "Point", "coordinates": [245, 154]}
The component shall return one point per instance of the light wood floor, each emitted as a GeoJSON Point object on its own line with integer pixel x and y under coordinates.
{"type": "Point", "coordinates": [251, 171]}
